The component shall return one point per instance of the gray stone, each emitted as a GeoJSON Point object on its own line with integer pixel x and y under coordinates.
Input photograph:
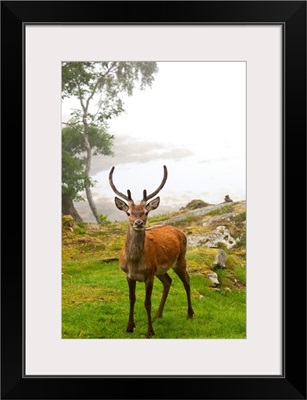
{"type": "Point", "coordinates": [227, 199]}
{"type": "Point", "coordinates": [220, 259]}
{"type": "Point", "coordinates": [219, 218]}
{"type": "Point", "coordinates": [213, 278]}
{"type": "Point", "coordinates": [219, 235]}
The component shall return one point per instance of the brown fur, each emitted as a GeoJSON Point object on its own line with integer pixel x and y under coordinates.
{"type": "Point", "coordinates": [160, 247]}
{"type": "Point", "coordinates": [150, 252]}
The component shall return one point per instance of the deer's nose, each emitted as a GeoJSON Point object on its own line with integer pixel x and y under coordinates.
{"type": "Point", "coordinates": [138, 223]}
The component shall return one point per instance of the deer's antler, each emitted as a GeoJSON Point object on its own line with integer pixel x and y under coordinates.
{"type": "Point", "coordinates": [122, 195]}
{"type": "Point", "coordinates": [147, 197]}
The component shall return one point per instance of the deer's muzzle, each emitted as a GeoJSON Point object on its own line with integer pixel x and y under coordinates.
{"type": "Point", "coordinates": [138, 224]}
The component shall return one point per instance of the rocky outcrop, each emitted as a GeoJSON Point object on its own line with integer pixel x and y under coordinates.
{"type": "Point", "coordinates": [197, 212]}
{"type": "Point", "coordinates": [224, 217]}
{"type": "Point", "coordinates": [220, 235]}
{"type": "Point", "coordinates": [227, 199]}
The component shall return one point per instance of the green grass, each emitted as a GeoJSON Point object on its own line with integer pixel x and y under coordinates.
{"type": "Point", "coordinates": [95, 300]}
{"type": "Point", "coordinates": [221, 211]}
{"type": "Point", "coordinates": [155, 219]}
{"type": "Point", "coordinates": [95, 304]}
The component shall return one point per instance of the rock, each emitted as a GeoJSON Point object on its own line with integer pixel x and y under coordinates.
{"type": "Point", "coordinates": [219, 235]}
{"type": "Point", "coordinates": [213, 278]}
{"type": "Point", "coordinates": [108, 260]}
{"type": "Point", "coordinates": [227, 199]}
{"type": "Point", "coordinates": [219, 218]}
{"type": "Point", "coordinates": [220, 259]}
{"type": "Point", "coordinates": [195, 241]}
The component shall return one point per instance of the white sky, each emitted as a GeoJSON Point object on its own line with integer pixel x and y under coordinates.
{"type": "Point", "coordinates": [193, 120]}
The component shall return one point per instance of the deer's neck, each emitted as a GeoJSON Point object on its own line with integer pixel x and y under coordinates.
{"type": "Point", "coordinates": [135, 245]}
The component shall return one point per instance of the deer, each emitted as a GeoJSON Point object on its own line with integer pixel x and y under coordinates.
{"type": "Point", "coordinates": [150, 252]}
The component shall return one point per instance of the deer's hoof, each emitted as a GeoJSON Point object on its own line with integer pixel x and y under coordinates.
{"type": "Point", "coordinates": [150, 334]}
{"type": "Point", "coordinates": [130, 328]}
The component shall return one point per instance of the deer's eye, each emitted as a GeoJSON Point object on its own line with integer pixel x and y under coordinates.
{"type": "Point", "coordinates": [128, 213]}
{"type": "Point", "coordinates": [146, 212]}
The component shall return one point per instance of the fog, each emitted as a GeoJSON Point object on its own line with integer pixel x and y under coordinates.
{"type": "Point", "coordinates": [193, 120]}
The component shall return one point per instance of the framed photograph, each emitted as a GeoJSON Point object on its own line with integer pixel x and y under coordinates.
{"type": "Point", "coordinates": [199, 109]}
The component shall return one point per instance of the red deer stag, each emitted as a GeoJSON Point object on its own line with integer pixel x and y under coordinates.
{"type": "Point", "coordinates": [150, 252]}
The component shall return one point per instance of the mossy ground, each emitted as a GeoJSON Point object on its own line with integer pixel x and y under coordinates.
{"type": "Point", "coordinates": [95, 300]}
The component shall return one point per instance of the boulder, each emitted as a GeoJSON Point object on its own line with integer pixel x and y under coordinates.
{"type": "Point", "coordinates": [213, 278]}
{"type": "Point", "coordinates": [220, 259]}
{"type": "Point", "coordinates": [227, 199]}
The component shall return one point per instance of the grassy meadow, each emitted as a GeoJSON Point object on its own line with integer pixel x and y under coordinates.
{"type": "Point", "coordinates": [95, 302]}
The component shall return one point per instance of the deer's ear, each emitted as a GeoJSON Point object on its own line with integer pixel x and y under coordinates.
{"type": "Point", "coordinates": [153, 204]}
{"type": "Point", "coordinates": [121, 205]}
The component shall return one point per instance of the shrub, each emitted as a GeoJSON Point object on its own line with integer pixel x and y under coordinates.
{"type": "Point", "coordinates": [68, 223]}
{"type": "Point", "coordinates": [80, 231]}
{"type": "Point", "coordinates": [103, 220]}
{"type": "Point", "coordinates": [194, 204]}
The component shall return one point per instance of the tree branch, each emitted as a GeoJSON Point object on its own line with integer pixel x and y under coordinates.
{"type": "Point", "coordinates": [98, 82]}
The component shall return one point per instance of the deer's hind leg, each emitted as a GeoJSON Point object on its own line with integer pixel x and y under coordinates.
{"type": "Point", "coordinates": [166, 281]}
{"type": "Point", "coordinates": [148, 293]}
{"type": "Point", "coordinates": [181, 270]}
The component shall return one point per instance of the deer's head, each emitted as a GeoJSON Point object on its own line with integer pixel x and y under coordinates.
{"type": "Point", "coordinates": [137, 213]}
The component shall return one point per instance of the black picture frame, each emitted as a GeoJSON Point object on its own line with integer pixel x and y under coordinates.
{"type": "Point", "coordinates": [292, 16]}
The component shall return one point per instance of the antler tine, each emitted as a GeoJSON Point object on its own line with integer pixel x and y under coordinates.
{"type": "Point", "coordinates": [129, 195]}
{"type": "Point", "coordinates": [128, 198]}
{"type": "Point", "coordinates": [144, 196]}
{"type": "Point", "coordinates": [150, 196]}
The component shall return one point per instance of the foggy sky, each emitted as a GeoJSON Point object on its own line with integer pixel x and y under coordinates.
{"type": "Point", "coordinates": [193, 120]}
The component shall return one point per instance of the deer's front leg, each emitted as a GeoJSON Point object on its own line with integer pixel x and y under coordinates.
{"type": "Point", "coordinates": [131, 284]}
{"type": "Point", "coordinates": [148, 287]}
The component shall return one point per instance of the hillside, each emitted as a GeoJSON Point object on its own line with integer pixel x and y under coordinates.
{"type": "Point", "coordinates": [213, 231]}
{"type": "Point", "coordinates": [94, 289]}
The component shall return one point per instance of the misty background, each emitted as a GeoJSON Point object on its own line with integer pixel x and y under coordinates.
{"type": "Point", "coordinates": [193, 120]}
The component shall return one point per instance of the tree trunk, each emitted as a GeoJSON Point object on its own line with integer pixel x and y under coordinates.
{"type": "Point", "coordinates": [92, 203]}
{"type": "Point", "coordinates": [69, 209]}
{"type": "Point", "coordinates": [88, 168]}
